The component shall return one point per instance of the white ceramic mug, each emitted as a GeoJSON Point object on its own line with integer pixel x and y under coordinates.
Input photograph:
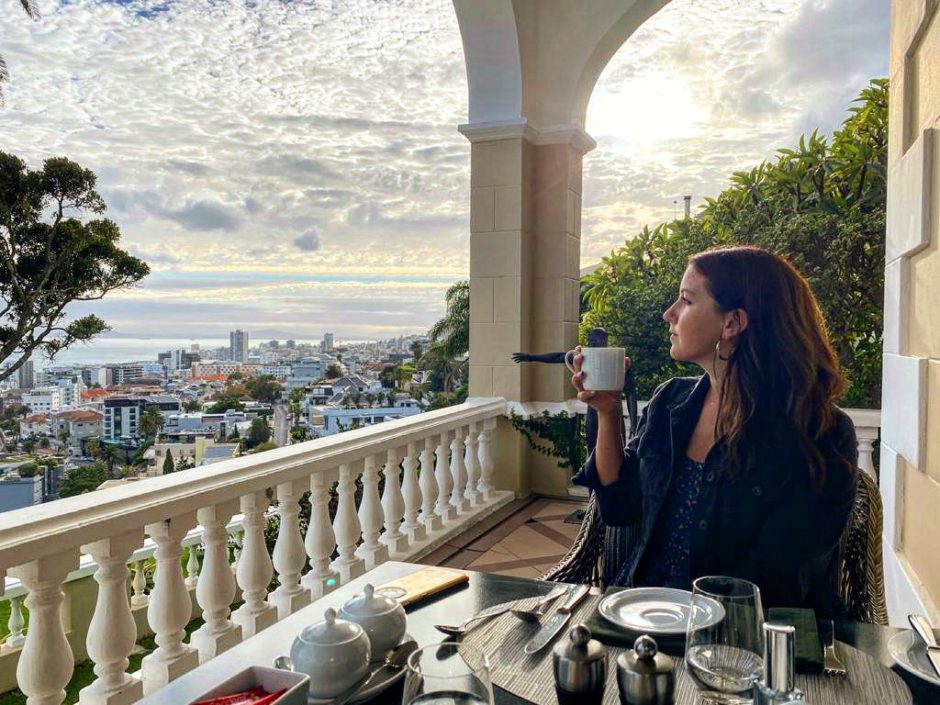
{"type": "Point", "coordinates": [603, 368]}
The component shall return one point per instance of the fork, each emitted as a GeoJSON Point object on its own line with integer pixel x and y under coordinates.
{"type": "Point", "coordinates": [832, 665]}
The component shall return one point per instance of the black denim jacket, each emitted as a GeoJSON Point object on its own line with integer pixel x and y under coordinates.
{"type": "Point", "coordinates": [768, 524]}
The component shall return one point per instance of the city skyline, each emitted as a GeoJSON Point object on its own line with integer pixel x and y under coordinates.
{"type": "Point", "coordinates": [297, 167]}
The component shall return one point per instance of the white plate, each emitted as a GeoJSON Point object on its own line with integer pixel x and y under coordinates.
{"type": "Point", "coordinates": [653, 610]}
{"type": "Point", "coordinates": [387, 678]}
{"type": "Point", "coordinates": [910, 653]}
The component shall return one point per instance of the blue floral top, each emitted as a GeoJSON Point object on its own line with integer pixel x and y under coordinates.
{"type": "Point", "coordinates": [667, 560]}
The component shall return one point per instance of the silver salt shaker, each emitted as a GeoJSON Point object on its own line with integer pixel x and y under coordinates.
{"type": "Point", "coordinates": [580, 666]}
{"type": "Point", "coordinates": [778, 684]}
{"type": "Point", "coordinates": [645, 676]}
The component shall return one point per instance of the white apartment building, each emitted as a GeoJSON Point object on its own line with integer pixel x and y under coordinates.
{"type": "Point", "coordinates": [43, 399]}
{"type": "Point", "coordinates": [276, 370]}
{"type": "Point", "coordinates": [70, 390]}
{"type": "Point", "coordinates": [329, 420]}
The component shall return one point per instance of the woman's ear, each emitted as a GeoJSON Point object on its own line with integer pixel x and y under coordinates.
{"type": "Point", "coordinates": [735, 323]}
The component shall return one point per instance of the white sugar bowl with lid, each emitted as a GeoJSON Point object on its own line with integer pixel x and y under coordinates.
{"type": "Point", "coordinates": [381, 616]}
{"type": "Point", "coordinates": [334, 653]}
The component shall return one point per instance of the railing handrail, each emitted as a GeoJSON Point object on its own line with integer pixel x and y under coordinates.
{"type": "Point", "coordinates": [26, 534]}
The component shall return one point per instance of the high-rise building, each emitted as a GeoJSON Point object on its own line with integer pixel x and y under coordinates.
{"type": "Point", "coordinates": [291, 344]}
{"type": "Point", "coordinates": [327, 343]}
{"type": "Point", "coordinates": [238, 343]}
{"type": "Point", "coordinates": [24, 378]}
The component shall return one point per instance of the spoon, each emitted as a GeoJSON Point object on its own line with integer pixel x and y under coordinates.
{"type": "Point", "coordinates": [395, 659]}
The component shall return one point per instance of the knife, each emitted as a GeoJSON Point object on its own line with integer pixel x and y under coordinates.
{"type": "Point", "coordinates": [925, 632]}
{"type": "Point", "coordinates": [557, 621]}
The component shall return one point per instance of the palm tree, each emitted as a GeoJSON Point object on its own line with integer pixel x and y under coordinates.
{"type": "Point", "coordinates": [151, 422]}
{"type": "Point", "coordinates": [32, 11]}
{"type": "Point", "coordinates": [452, 332]}
{"type": "Point", "coordinates": [109, 452]}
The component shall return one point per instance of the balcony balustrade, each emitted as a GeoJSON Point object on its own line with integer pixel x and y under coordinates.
{"type": "Point", "coordinates": [438, 472]}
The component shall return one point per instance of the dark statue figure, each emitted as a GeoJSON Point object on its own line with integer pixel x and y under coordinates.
{"type": "Point", "coordinates": [597, 338]}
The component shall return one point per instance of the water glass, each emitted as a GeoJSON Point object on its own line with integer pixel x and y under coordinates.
{"type": "Point", "coordinates": [724, 641]}
{"type": "Point", "coordinates": [447, 674]}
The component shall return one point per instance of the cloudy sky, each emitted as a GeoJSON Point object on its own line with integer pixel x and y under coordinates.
{"type": "Point", "coordinates": [292, 167]}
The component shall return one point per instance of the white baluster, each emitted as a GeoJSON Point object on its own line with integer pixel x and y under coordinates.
{"type": "Point", "coordinates": [431, 521]}
{"type": "Point", "coordinates": [139, 585]}
{"type": "Point", "coordinates": [112, 631]}
{"type": "Point", "coordinates": [444, 482]}
{"type": "Point", "coordinates": [46, 661]}
{"type": "Point", "coordinates": [472, 464]}
{"type": "Point", "coordinates": [346, 528]}
{"type": "Point", "coordinates": [411, 492]}
{"type": "Point", "coordinates": [215, 590]}
{"type": "Point", "coordinates": [866, 435]}
{"type": "Point", "coordinates": [192, 565]}
{"type": "Point", "coordinates": [255, 569]}
{"type": "Point", "coordinates": [393, 506]}
{"type": "Point", "coordinates": [289, 554]}
{"type": "Point", "coordinates": [485, 453]}
{"type": "Point", "coordinates": [320, 541]}
{"type": "Point", "coordinates": [170, 606]}
{"type": "Point", "coordinates": [372, 551]}
{"type": "Point", "coordinates": [15, 624]}
{"type": "Point", "coordinates": [458, 473]}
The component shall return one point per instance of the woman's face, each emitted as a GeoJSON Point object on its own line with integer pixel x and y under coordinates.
{"type": "Point", "coordinates": [695, 323]}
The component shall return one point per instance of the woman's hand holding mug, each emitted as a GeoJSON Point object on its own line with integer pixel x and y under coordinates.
{"type": "Point", "coordinates": [598, 376]}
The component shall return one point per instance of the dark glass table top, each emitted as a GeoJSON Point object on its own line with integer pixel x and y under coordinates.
{"type": "Point", "coordinates": [452, 607]}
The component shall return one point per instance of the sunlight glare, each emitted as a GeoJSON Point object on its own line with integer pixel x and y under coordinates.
{"type": "Point", "coordinates": [645, 110]}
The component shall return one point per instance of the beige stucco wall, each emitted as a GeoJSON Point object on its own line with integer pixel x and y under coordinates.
{"type": "Point", "coordinates": [914, 495]}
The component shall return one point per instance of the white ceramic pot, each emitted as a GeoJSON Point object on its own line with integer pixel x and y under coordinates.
{"type": "Point", "coordinates": [382, 618]}
{"type": "Point", "coordinates": [334, 653]}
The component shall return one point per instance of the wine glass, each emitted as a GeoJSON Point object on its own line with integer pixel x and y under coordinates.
{"type": "Point", "coordinates": [448, 674]}
{"type": "Point", "coordinates": [724, 641]}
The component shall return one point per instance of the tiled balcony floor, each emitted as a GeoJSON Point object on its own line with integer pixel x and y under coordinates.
{"type": "Point", "coordinates": [525, 539]}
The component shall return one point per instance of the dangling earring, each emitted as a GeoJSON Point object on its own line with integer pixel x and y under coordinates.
{"type": "Point", "coordinates": [718, 352]}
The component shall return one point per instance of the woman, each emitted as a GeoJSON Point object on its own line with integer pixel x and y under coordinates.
{"type": "Point", "coordinates": [748, 470]}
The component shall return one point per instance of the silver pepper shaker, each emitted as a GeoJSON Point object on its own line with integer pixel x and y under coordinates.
{"type": "Point", "coordinates": [778, 684]}
{"type": "Point", "coordinates": [580, 666]}
{"type": "Point", "coordinates": [645, 676]}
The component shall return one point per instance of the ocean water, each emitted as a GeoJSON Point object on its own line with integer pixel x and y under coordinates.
{"type": "Point", "coordinates": [109, 349]}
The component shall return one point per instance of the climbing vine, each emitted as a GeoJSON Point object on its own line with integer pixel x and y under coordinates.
{"type": "Point", "coordinates": [558, 435]}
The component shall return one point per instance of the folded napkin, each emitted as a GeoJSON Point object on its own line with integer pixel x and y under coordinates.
{"type": "Point", "coordinates": [809, 651]}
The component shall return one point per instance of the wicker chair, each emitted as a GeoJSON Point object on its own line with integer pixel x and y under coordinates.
{"type": "Point", "coordinates": [861, 571]}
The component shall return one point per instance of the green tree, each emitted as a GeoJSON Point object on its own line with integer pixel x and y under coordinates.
{"type": "Point", "coordinates": [45, 266]}
{"type": "Point", "coordinates": [32, 11]}
{"type": "Point", "coordinates": [193, 405]}
{"type": "Point", "coordinates": [265, 389]}
{"type": "Point", "coordinates": [168, 464]}
{"type": "Point", "coordinates": [298, 434]}
{"type": "Point", "coordinates": [234, 377]}
{"type": "Point", "coordinates": [109, 453]}
{"type": "Point", "coordinates": [85, 478]}
{"type": "Point", "coordinates": [452, 332]}
{"type": "Point", "coordinates": [151, 422]}
{"type": "Point", "coordinates": [333, 371]}
{"type": "Point", "coordinates": [417, 349]}
{"type": "Point", "coordinates": [258, 433]}
{"type": "Point", "coordinates": [226, 402]}
{"type": "Point", "coordinates": [820, 204]}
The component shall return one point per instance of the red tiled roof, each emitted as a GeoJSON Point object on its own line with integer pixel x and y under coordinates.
{"type": "Point", "coordinates": [36, 418]}
{"type": "Point", "coordinates": [95, 393]}
{"type": "Point", "coordinates": [80, 415]}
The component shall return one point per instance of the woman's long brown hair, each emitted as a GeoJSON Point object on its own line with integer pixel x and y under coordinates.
{"type": "Point", "coordinates": [783, 365]}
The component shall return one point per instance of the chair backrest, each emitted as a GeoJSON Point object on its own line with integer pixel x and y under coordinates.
{"type": "Point", "coordinates": [861, 587]}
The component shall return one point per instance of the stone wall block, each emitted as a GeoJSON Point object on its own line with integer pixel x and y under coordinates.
{"type": "Point", "coordinates": [481, 299]}
{"type": "Point", "coordinates": [904, 412]}
{"type": "Point", "coordinates": [909, 200]}
{"type": "Point", "coordinates": [483, 209]}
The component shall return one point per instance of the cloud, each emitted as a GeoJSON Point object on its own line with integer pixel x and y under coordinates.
{"type": "Point", "coordinates": [225, 134]}
{"type": "Point", "coordinates": [308, 242]}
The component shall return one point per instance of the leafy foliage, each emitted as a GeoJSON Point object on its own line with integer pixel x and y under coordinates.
{"type": "Point", "coordinates": [821, 205]}
{"type": "Point", "coordinates": [83, 479]}
{"type": "Point", "coordinates": [264, 388]}
{"type": "Point", "coordinates": [44, 266]}
{"type": "Point", "coordinates": [258, 433]}
{"type": "Point", "coordinates": [225, 402]}
{"type": "Point", "coordinates": [555, 435]}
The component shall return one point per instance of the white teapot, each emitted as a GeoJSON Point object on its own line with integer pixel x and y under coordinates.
{"type": "Point", "coordinates": [382, 618]}
{"type": "Point", "coordinates": [334, 653]}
